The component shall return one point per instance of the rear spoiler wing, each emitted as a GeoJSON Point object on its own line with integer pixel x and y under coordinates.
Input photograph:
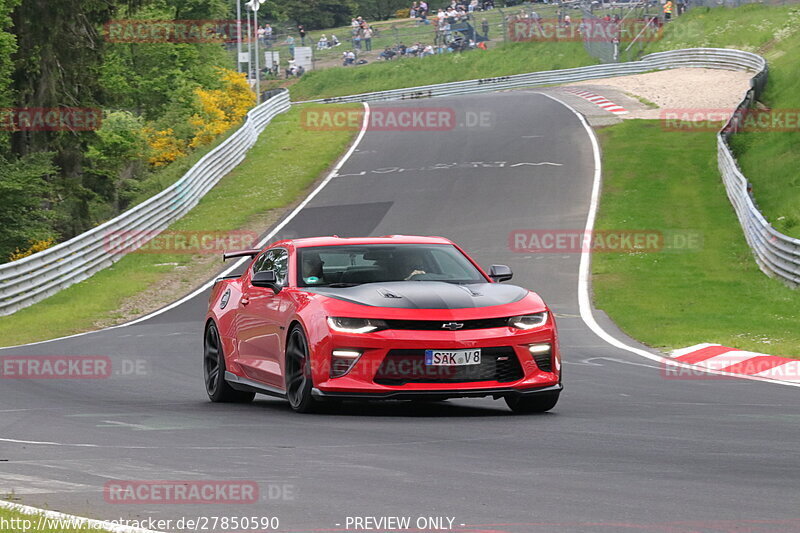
{"type": "Point", "coordinates": [240, 253]}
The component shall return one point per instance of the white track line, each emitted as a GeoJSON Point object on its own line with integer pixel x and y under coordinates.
{"type": "Point", "coordinates": [238, 263]}
{"type": "Point", "coordinates": [73, 521]}
{"type": "Point", "coordinates": [584, 275]}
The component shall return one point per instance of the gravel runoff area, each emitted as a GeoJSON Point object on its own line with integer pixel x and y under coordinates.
{"type": "Point", "coordinates": [683, 88]}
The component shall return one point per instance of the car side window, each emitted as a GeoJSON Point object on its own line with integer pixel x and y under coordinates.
{"type": "Point", "coordinates": [276, 259]}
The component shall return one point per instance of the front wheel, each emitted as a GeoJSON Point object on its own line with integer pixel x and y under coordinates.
{"type": "Point", "coordinates": [537, 403]}
{"type": "Point", "coordinates": [217, 388]}
{"type": "Point", "coordinates": [298, 372]}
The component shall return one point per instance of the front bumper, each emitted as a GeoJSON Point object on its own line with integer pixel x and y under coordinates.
{"type": "Point", "coordinates": [428, 394]}
{"type": "Point", "coordinates": [361, 381]}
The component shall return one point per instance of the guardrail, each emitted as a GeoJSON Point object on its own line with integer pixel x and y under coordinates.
{"type": "Point", "coordinates": [33, 278]}
{"type": "Point", "coordinates": [776, 254]}
{"type": "Point", "coordinates": [38, 276]}
{"type": "Point", "coordinates": [721, 58]}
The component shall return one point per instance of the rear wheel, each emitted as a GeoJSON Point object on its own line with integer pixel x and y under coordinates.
{"type": "Point", "coordinates": [298, 372]}
{"type": "Point", "coordinates": [214, 371]}
{"type": "Point", "coordinates": [537, 403]}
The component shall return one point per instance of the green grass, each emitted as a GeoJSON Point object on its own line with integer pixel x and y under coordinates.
{"type": "Point", "coordinates": [504, 60]}
{"type": "Point", "coordinates": [16, 522]}
{"type": "Point", "coordinates": [769, 159]}
{"type": "Point", "coordinates": [286, 159]}
{"type": "Point", "coordinates": [667, 181]}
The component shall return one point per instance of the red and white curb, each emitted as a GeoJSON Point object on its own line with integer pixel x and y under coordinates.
{"type": "Point", "coordinates": [724, 359]}
{"type": "Point", "coordinates": [599, 101]}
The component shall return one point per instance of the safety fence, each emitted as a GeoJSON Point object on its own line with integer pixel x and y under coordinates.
{"type": "Point", "coordinates": [40, 275]}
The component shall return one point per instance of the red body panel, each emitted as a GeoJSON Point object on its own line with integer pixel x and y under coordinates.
{"type": "Point", "coordinates": [254, 336]}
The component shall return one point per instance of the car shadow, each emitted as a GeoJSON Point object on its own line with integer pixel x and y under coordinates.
{"type": "Point", "coordinates": [395, 408]}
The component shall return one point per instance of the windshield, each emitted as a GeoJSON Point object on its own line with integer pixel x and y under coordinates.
{"type": "Point", "coordinates": [343, 266]}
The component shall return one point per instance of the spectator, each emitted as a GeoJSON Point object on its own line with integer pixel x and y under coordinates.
{"type": "Point", "coordinates": [356, 37]}
{"type": "Point", "coordinates": [366, 33]}
{"type": "Point", "coordinates": [387, 54]}
{"type": "Point", "coordinates": [485, 28]}
{"type": "Point", "coordinates": [348, 58]}
{"type": "Point", "coordinates": [333, 42]}
{"type": "Point", "coordinates": [261, 32]}
{"type": "Point", "coordinates": [668, 10]}
{"type": "Point", "coordinates": [302, 31]}
{"type": "Point", "coordinates": [267, 32]}
{"type": "Point", "coordinates": [322, 44]}
{"type": "Point", "coordinates": [472, 5]}
{"type": "Point", "coordinates": [290, 43]}
{"type": "Point", "coordinates": [412, 13]}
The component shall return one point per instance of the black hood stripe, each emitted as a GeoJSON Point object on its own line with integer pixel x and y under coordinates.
{"type": "Point", "coordinates": [425, 294]}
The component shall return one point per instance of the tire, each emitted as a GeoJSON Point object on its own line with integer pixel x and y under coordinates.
{"type": "Point", "coordinates": [299, 381]}
{"type": "Point", "coordinates": [218, 390]}
{"type": "Point", "coordinates": [538, 403]}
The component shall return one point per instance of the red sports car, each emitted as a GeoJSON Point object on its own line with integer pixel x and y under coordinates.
{"type": "Point", "coordinates": [395, 317]}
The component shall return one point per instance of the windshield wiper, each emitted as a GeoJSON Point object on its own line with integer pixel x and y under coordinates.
{"type": "Point", "coordinates": [341, 285]}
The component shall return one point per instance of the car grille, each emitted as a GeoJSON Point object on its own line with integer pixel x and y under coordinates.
{"type": "Point", "coordinates": [408, 366]}
{"type": "Point", "coordinates": [437, 325]}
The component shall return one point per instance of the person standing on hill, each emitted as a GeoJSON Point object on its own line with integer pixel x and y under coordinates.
{"type": "Point", "coordinates": [668, 10]}
{"type": "Point", "coordinates": [302, 31]}
{"type": "Point", "coordinates": [366, 34]}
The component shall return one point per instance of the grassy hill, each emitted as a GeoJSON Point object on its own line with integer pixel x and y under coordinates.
{"type": "Point", "coordinates": [770, 159]}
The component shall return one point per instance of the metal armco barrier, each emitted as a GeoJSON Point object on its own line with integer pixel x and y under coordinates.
{"type": "Point", "coordinates": [43, 274]}
{"type": "Point", "coordinates": [776, 254]}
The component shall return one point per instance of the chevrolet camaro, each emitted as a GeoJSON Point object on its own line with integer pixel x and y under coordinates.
{"type": "Point", "coordinates": [397, 317]}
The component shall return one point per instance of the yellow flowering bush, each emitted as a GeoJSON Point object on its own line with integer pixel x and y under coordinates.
{"type": "Point", "coordinates": [219, 109]}
{"type": "Point", "coordinates": [165, 147]}
{"type": "Point", "coordinates": [36, 246]}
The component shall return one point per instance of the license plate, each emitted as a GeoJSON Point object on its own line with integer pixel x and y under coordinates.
{"type": "Point", "coordinates": [452, 357]}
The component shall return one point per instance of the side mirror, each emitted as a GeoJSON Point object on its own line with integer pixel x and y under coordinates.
{"type": "Point", "coordinates": [267, 279]}
{"type": "Point", "coordinates": [500, 273]}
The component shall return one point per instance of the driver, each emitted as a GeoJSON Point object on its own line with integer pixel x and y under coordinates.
{"type": "Point", "coordinates": [411, 265]}
{"type": "Point", "coordinates": [312, 268]}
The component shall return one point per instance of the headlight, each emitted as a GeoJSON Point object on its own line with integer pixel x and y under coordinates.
{"type": "Point", "coordinates": [355, 325]}
{"type": "Point", "coordinates": [528, 321]}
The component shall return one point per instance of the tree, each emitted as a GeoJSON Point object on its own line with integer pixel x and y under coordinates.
{"type": "Point", "coordinates": [24, 189]}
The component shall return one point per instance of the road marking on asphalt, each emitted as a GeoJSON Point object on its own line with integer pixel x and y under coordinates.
{"type": "Point", "coordinates": [21, 484]}
{"type": "Point", "coordinates": [584, 277]}
{"type": "Point", "coordinates": [240, 262]}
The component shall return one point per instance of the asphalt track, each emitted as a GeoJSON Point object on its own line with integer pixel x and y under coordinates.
{"type": "Point", "coordinates": [625, 449]}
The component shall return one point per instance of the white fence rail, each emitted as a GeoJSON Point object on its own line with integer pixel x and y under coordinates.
{"type": "Point", "coordinates": [776, 254]}
{"type": "Point", "coordinates": [40, 275]}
